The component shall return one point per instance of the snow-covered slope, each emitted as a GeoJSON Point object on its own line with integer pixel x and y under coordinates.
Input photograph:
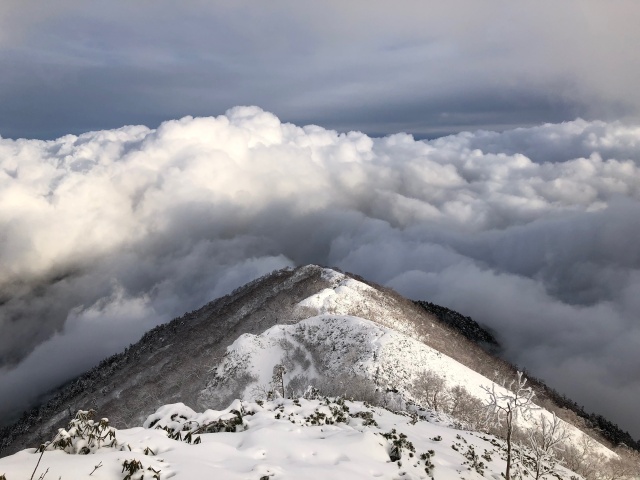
{"type": "Point", "coordinates": [281, 439]}
{"type": "Point", "coordinates": [327, 329]}
{"type": "Point", "coordinates": [340, 348]}
{"type": "Point", "coordinates": [347, 296]}
{"type": "Point", "coordinates": [333, 345]}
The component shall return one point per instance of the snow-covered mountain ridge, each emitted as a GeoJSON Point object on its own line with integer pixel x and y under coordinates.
{"type": "Point", "coordinates": [332, 345]}
{"type": "Point", "coordinates": [324, 327]}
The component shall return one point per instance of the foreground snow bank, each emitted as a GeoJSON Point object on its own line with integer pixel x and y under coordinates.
{"type": "Point", "coordinates": [280, 439]}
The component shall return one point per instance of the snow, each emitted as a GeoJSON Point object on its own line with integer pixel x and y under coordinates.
{"type": "Point", "coordinates": [345, 293]}
{"type": "Point", "coordinates": [278, 440]}
{"type": "Point", "coordinates": [307, 438]}
{"type": "Point", "coordinates": [350, 345]}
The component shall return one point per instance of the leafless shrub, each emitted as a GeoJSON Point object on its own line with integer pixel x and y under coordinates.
{"type": "Point", "coordinates": [465, 408]}
{"type": "Point", "coordinates": [545, 440]}
{"type": "Point", "coordinates": [583, 458]}
{"type": "Point", "coordinates": [261, 391]}
{"type": "Point", "coordinates": [625, 467]}
{"type": "Point", "coordinates": [430, 390]}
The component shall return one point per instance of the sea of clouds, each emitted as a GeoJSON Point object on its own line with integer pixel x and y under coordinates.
{"type": "Point", "coordinates": [532, 231]}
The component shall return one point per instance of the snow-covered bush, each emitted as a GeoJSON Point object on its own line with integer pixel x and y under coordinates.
{"type": "Point", "coordinates": [83, 435]}
{"type": "Point", "coordinates": [136, 471]}
{"type": "Point", "coordinates": [183, 424]}
{"type": "Point", "coordinates": [399, 444]}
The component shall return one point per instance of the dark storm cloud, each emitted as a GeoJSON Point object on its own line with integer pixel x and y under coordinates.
{"type": "Point", "coordinates": [458, 111]}
{"type": "Point", "coordinates": [424, 69]}
{"type": "Point", "coordinates": [110, 233]}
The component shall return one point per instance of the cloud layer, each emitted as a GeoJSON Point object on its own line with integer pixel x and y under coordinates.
{"type": "Point", "coordinates": [531, 231]}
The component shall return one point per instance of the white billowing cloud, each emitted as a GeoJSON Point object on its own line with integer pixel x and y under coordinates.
{"type": "Point", "coordinates": [531, 231]}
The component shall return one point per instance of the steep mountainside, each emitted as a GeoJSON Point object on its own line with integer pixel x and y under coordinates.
{"type": "Point", "coordinates": [466, 325]}
{"type": "Point", "coordinates": [170, 363]}
{"type": "Point", "coordinates": [205, 357]}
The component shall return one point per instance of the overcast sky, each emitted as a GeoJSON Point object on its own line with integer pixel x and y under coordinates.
{"type": "Point", "coordinates": [531, 230]}
{"type": "Point", "coordinates": [425, 68]}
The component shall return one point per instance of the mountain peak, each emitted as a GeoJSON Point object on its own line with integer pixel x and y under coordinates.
{"type": "Point", "coordinates": [320, 324]}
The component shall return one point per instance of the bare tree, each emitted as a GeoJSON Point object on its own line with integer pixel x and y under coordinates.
{"type": "Point", "coordinates": [582, 457]}
{"type": "Point", "coordinates": [624, 467]}
{"type": "Point", "coordinates": [545, 439]}
{"type": "Point", "coordinates": [261, 391]}
{"type": "Point", "coordinates": [430, 388]}
{"type": "Point", "coordinates": [505, 407]}
{"type": "Point", "coordinates": [464, 407]}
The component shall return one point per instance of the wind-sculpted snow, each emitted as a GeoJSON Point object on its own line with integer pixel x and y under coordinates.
{"type": "Point", "coordinates": [301, 438]}
{"type": "Point", "coordinates": [532, 232]}
{"type": "Point", "coordinates": [347, 296]}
